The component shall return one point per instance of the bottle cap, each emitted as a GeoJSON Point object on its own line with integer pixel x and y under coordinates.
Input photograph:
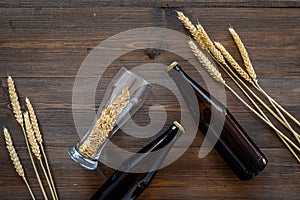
{"type": "Point", "coordinates": [179, 126]}
{"type": "Point", "coordinates": [173, 64]}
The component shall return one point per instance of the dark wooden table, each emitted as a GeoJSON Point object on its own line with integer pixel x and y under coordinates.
{"type": "Point", "coordinates": [42, 45]}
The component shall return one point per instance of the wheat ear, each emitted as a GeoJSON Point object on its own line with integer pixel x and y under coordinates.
{"type": "Point", "coordinates": [14, 100]}
{"type": "Point", "coordinates": [209, 43]}
{"type": "Point", "coordinates": [35, 148]}
{"type": "Point", "coordinates": [215, 73]}
{"type": "Point", "coordinates": [233, 62]}
{"type": "Point", "coordinates": [15, 159]}
{"type": "Point", "coordinates": [244, 53]}
{"type": "Point", "coordinates": [209, 66]}
{"type": "Point", "coordinates": [192, 29]}
{"type": "Point", "coordinates": [38, 135]}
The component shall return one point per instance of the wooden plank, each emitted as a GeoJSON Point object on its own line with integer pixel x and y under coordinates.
{"type": "Point", "coordinates": [42, 45]}
{"type": "Point", "coordinates": [47, 44]}
{"type": "Point", "coordinates": [165, 4]}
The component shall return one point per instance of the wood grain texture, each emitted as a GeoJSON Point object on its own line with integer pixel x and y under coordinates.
{"type": "Point", "coordinates": [42, 45]}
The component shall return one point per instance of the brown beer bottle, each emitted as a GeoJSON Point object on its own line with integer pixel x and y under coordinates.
{"type": "Point", "coordinates": [233, 144]}
{"type": "Point", "coordinates": [127, 185]}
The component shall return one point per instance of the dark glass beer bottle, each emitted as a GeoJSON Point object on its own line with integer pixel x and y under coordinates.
{"type": "Point", "coordinates": [233, 144]}
{"type": "Point", "coordinates": [127, 185]}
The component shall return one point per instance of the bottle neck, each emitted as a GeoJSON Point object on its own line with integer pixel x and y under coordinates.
{"type": "Point", "coordinates": [129, 185]}
{"type": "Point", "coordinates": [185, 82]}
{"type": "Point", "coordinates": [152, 155]}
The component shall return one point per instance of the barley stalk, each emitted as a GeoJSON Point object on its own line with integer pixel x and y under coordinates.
{"type": "Point", "coordinates": [227, 69]}
{"type": "Point", "coordinates": [244, 54]}
{"type": "Point", "coordinates": [215, 74]}
{"type": "Point", "coordinates": [285, 111]}
{"type": "Point", "coordinates": [28, 127]}
{"type": "Point", "coordinates": [14, 100]}
{"type": "Point", "coordinates": [251, 71]}
{"type": "Point", "coordinates": [48, 169]}
{"type": "Point", "coordinates": [219, 57]}
{"type": "Point", "coordinates": [34, 166]}
{"type": "Point", "coordinates": [244, 75]}
{"type": "Point", "coordinates": [236, 80]}
{"type": "Point", "coordinates": [104, 125]}
{"type": "Point", "coordinates": [280, 134]}
{"type": "Point", "coordinates": [193, 30]}
{"type": "Point", "coordinates": [252, 74]}
{"type": "Point", "coordinates": [209, 66]}
{"type": "Point", "coordinates": [38, 135]}
{"type": "Point", "coordinates": [262, 116]}
{"type": "Point", "coordinates": [277, 107]}
{"type": "Point", "coordinates": [35, 148]}
{"type": "Point", "coordinates": [15, 159]}
{"type": "Point", "coordinates": [19, 117]}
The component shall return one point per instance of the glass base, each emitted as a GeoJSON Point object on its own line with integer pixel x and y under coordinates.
{"type": "Point", "coordinates": [82, 160]}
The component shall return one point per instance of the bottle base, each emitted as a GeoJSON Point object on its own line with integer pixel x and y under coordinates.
{"type": "Point", "coordinates": [88, 163]}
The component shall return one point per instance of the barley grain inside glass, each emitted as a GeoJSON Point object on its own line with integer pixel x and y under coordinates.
{"type": "Point", "coordinates": [124, 96]}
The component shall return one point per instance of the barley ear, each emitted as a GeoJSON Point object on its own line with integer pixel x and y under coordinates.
{"type": "Point", "coordinates": [209, 43]}
{"type": "Point", "coordinates": [31, 137]}
{"type": "Point", "coordinates": [233, 62]}
{"type": "Point", "coordinates": [13, 154]}
{"type": "Point", "coordinates": [34, 122]}
{"type": "Point", "coordinates": [244, 53]}
{"type": "Point", "coordinates": [14, 100]}
{"type": "Point", "coordinates": [209, 66]}
{"type": "Point", "coordinates": [15, 159]}
{"type": "Point", "coordinates": [192, 29]}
